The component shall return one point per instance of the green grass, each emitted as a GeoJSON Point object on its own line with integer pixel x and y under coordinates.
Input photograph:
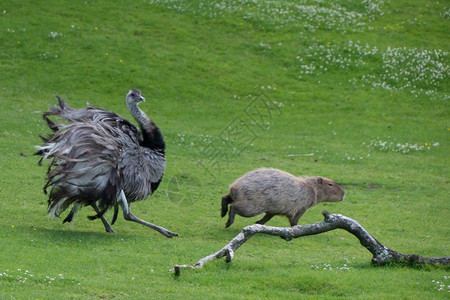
{"type": "Point", "coordinates": [333, 89]}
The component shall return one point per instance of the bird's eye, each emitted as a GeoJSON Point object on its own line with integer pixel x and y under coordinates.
{"type": "Point", "coordinates": [132, 95]}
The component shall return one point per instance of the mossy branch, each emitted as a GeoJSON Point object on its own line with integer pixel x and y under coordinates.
{"type": "Point", "coordinates": [381, 254]}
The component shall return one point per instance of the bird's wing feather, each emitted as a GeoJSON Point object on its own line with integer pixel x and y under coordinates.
{"type": "Point", "coordinates": [91, 113]}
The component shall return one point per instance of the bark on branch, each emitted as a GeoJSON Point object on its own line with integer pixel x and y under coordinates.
{"type": "Point", "coordinates": [381, 254]}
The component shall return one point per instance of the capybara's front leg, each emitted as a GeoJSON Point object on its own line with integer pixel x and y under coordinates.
{"type": "Point", "coordinates": [294, 219]}
{"type": "Point", "coordinates": [265, 219]}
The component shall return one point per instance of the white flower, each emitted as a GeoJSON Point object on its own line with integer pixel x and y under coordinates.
{"type": "Point", "coordinates": [53, 34]}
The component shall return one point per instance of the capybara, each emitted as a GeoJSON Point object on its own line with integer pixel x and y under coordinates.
{"type": "Point", "coordinates": [276, 192]}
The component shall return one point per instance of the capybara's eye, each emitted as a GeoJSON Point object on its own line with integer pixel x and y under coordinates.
{"type": "Point", "coordinates": [330, 184]}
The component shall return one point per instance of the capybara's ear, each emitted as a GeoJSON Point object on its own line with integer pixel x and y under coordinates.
{"type": "Point", "coordinates": [319, 180]}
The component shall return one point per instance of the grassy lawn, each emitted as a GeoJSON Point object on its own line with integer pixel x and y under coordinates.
{"type": "Point", "coordinates": [357, 91]}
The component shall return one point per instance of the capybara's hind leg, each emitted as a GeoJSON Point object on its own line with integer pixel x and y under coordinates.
{"type": "Point", "coordinates": [225, 201]}
{"type": "Point", "coordinates": [265, 219]}
{"type": "Point", "coordinates": [231, 215]}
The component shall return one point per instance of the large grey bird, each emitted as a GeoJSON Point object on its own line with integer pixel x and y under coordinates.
{"type": "Point", "coordinates": [100, 159]}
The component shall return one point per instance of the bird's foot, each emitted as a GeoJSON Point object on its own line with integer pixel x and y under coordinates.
{"type": "Point", "coordinates": [168, 233]}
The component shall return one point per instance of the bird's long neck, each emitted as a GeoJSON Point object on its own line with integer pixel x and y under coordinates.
{"type": "Point", "coordinates": [152, 137]}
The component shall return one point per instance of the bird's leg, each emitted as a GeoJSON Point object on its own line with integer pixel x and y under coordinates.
{"type": "Point", "coordinates": [105, 223]}
{"type": "Point", "coordinates": [130, 217]}
{"type": "Point", "coordinates": [72, 213]}
{"type": "Point", "coordinates": [116, 211]}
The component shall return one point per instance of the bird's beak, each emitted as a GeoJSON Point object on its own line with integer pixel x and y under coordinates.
{"type": "Point", "coordinates": [142, 99]}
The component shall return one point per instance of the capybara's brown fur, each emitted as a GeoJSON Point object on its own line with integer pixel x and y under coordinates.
{"type": "Point", "coordinates": [276, 192]}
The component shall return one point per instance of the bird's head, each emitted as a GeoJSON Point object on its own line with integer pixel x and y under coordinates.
{"type": "Point", "coordinates": [134, 97]}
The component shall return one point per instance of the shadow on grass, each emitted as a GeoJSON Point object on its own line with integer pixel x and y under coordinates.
{"type": "Point", "coordinates": [70, 236]}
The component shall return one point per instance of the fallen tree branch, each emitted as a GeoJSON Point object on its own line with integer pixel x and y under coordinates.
{"type": "Point", "coordinates": [381, 254]}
